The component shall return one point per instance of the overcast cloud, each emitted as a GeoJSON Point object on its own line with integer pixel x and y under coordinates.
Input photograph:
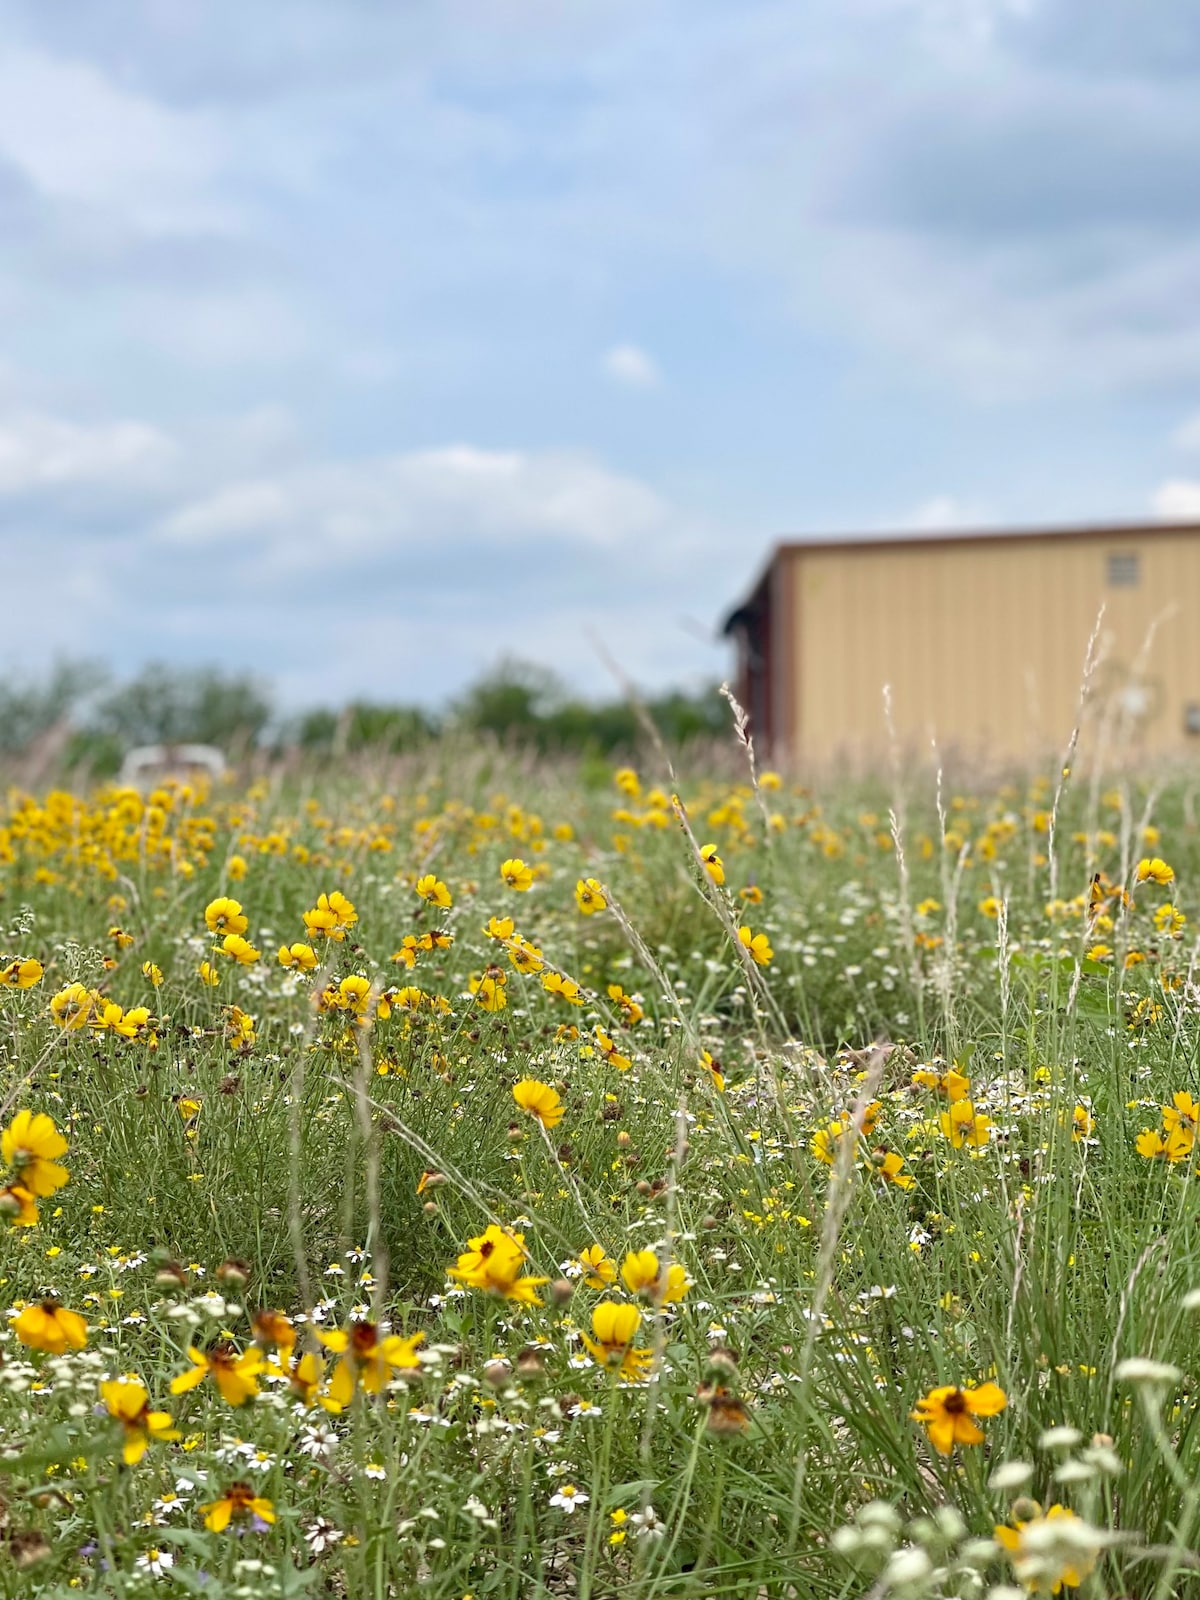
{"type": "Point", "coordinates": [361, 344]}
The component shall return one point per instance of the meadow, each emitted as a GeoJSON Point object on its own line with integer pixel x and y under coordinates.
{"type": "Point", "coordinates": [485, 1177]}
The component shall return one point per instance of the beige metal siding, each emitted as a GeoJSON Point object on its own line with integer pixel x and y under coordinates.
{"type": "Point", "coordinates": [983, 642]}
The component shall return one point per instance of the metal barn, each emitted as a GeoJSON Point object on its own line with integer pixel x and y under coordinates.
{"type": "Point", "coordinates": [981, 637]}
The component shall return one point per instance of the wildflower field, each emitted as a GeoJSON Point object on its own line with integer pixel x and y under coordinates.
{"type": "Point", "coordinates": [477, 1181]}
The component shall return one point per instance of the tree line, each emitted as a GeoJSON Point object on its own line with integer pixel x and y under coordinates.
{"type": "Point", "coordinates": [95, 719]}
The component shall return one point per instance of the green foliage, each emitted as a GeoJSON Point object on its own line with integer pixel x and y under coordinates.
{"type": "Point", "coordinates": [30, 708]}
{"type": "Point", "coordinates": [516, 703]}
{"type": "Point", "coordinates": [524, 704]}
{"type": "Point", "coordinates": [348, 1166]}
{"type": "Point", "coordinates": [174, 705]}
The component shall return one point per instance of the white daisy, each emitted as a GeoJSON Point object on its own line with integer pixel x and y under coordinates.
{"type": "Point", "coordinates": [156, 1562]}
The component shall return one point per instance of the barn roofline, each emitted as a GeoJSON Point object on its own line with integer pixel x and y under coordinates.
{"type": "Point", "coordinates": [824, 544]}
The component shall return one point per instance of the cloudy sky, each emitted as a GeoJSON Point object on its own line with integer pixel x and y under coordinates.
{"type": "Point", "coordinates": [360, 341]}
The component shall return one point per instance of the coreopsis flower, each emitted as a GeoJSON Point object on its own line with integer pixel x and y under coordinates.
{"type": "Point", "coordinates": [890, 1167]}
{"type": "Point", "coordinates": [489, 990]}
{"type": "Point", "coordinates": [300, 956]}
{"type": "Point", "coordinates": [239, 1027]}
{"type": "Point", "coordinates": [589, 897]}
{"type": "Point", "coordinates": [368, 1360]}
{"type": "Point", "coordinates": [524, 956]}
{"type": "Point", "coordinates": [31, 1146]}
{"type": "Point", "coordinates": [713, 864]}
{"type": "Point", "coordinates": [237, 868]}
{"type": "Point", "coordinates": [71, 1007]}
{"type": "Point", "coordinates": [18, 1207]}
{"type": "Point", "coordinates": [516, 874]}
{"type": "Point", "coordinates": [610, 1343]}
{"type": "Point", "coordinates": [1083, 1124]}
{"type": "Point", "coordinates": [631, 1011]}
{"type": "Point", "coordinates": [540, 1101]}
{"type": "Point", "coordinates": [758, 945]}
{"type": "Point", "coordinates": [235, 1373]}
{"type": "Point", "coordinates": [827, 1140]}
{"type": "Point", "coordinates": [239, 1501]}
{"type": "Point", "coordinates": [1158, 1145]}
{"type": "Point", "coordinates": [431, 888]}
{"type": "Point", "coordinates": [127, 1400]}
{"type": "Point", "coordinates": [407, 998]}
{"type": "Point", "coordinates": [1051, 1551]}
{"type": "Point", "coordinates": [494, 1262]}
{"type": "Point", "coordinates": [209, 975]}
{"type": "Point", "coordinates": [48, 1325]}
{"type": "Point", "coordinates": [499, 928]}
{"type": "Point", "coordinates": [1145, 1013]}
{"type": "Point", "coordinates": [953, 1084]}
{"type": "Point", "coordinates": [599, 1270]}
{"type": "Point", "coordinates": [562, 987]}
{"type": "Point", "coordinates": [21, 973]}
{"type": "Point", "coordinates": [304, 1375]}
{"type": "Point", "coordinates": [627, 781]}
{"type": "Point", "coordinates": [273, 1330]}
{"type": "Point", "coordinates": [869, 1116]}
{"type": "Point", "coordinates": [331, 918]}
{"type": "Point", "coordinates": [947, 1414]}
{"type": "Point", "coordinates": [225, 916]}
{"type": "Point", "coordinates": [962, 1124]}
{"type": "Point", "coordinates": [352, 994]}
{"type": "Point", "coordinates": [642, 1273]}
{"type": "Point", "coordinates": [1183, 1114]}
{"type": "Point", "coordinates": [240, 950]}
{"type": "Point", "coordinates": [712, 1068]}
{"type": "Point", "coordinates": [152, 973]}
{"type": "Point", "coordinates": [121, 940]}
{"type": "Point", "coordinates": [1169, 920]}
{"type": "Point", "coordinates": [109, 1017]}
{"type": "Point", "coordinates": [607, 1047]}
{"type": "Point", "coordinates": [1153, 869]}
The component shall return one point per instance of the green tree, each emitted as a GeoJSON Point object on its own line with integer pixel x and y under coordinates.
{"type": "Point", "coordinates": [176, 705]}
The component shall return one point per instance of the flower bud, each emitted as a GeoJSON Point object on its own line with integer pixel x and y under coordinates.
{"type": "Point", "coordinates": [530, 1363]}
{"type": "Point", "coordinates": [27, 1547]}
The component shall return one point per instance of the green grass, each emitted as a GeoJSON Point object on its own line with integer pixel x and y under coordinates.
{"type": "Point", "coordinates": [1039, 1260]}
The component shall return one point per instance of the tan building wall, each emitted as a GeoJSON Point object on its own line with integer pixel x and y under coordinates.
{"type": "Point", "coordinates": [983, 641]}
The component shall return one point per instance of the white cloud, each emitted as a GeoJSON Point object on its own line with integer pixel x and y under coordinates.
{"type": "Point", "coordinates": [1177, 500]}
{"type": "Point", "coordinates": [44, 452]}
{"type": "Point", "coordinates": [630, 365]}
{"type": "Point", "coordinates": [427, 502]}
{"type": "Point", "coordinates": [942, 513]}
{"type": "Point", "coordinates": [77, 136]}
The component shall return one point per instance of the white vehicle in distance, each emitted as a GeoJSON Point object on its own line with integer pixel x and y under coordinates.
{"type": "Point", "coordinates": [151, 764]}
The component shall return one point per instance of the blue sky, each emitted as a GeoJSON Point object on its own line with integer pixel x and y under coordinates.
{"type": "Point", "coordinates": [359, 343]}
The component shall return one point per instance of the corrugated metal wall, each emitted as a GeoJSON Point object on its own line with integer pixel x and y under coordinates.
{"type": "Point", "coordinates": [983, 642]}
